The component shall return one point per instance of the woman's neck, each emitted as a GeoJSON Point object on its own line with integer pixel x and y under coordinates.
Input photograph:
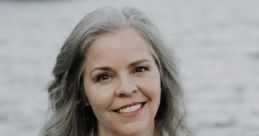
{"type": "Point", "coordinates": [149, 131]}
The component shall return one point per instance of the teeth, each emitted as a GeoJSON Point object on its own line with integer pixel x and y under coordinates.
{"type": "Point", "coordinates": [130, 108]}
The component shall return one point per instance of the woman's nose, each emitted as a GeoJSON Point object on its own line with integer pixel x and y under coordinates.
{"type": "Point", "coordinates": [126, 87]}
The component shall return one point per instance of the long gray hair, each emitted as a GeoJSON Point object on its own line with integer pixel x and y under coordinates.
{"type": "Point", "coordinates": [70, 116]}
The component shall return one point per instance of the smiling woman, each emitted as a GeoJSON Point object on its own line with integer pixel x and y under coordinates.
{"type": "Point", "coordinates": [122, 84]}
{"type": "Point", "coordinates": [114, 77]}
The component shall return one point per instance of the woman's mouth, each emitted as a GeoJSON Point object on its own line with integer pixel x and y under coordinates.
{"type": "Point", "coordinates": [130, 110]}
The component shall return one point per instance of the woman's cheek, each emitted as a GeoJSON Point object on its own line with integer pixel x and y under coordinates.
{"type": "Point", "coordinates": [101, 93]}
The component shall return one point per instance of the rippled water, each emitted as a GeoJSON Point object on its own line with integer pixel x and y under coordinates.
{"type": "Point", "coordinates": [216, 44]}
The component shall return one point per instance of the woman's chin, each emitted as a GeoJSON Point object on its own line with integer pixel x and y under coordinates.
{"type": "Point", "coordinates": [132, 130]}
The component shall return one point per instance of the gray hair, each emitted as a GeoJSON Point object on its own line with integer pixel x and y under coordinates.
{"type": "Point", "coordinates": [70, 116]}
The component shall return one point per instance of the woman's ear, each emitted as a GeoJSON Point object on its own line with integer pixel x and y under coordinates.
{"type": "Point", "coordinates": [83, 96]}
{"type": "Point", "coordinates": [85, 99]}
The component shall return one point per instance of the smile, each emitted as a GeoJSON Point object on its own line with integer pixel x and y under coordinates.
{"type": "Point", "coordinates": [133, 108]}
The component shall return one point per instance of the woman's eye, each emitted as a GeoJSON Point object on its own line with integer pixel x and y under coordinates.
{"type": "Point", "coordinates": [103, 77]}
{"type": "Point", "coordinates": [141, 69]}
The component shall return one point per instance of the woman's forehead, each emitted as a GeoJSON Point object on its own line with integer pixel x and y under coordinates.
{"type": "Point", "coordinates": [125, 45]}
{"type": "Point", "coordinates": [124, 42]}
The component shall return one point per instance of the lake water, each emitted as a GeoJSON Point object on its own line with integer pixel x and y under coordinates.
{"type": "Point", "coordinates": [216, 44]}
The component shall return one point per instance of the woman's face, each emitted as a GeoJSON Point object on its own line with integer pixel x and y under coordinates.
{"type": "Point", "coordinates": [122, 84]}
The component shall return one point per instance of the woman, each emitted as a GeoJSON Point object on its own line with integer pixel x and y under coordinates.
{"type": "Point", "coordinates": [114, 77]}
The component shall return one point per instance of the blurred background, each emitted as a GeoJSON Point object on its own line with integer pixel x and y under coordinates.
{"type": "Point", "coordinates": [216, 43]}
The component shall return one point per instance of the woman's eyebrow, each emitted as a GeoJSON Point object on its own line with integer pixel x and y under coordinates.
{"type": "Point", "coordinates": [138, 62]}
{"type": "Point", "coordinates": [105, 68]}
{"type": "Point", "coordinates": [100, 68]}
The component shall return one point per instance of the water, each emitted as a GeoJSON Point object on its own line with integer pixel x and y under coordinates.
{"type": "Point", "coordinates": [216, 44]}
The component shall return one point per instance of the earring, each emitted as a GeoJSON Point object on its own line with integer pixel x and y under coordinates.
{"type": "Point", "coordinates": [87, 104]}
